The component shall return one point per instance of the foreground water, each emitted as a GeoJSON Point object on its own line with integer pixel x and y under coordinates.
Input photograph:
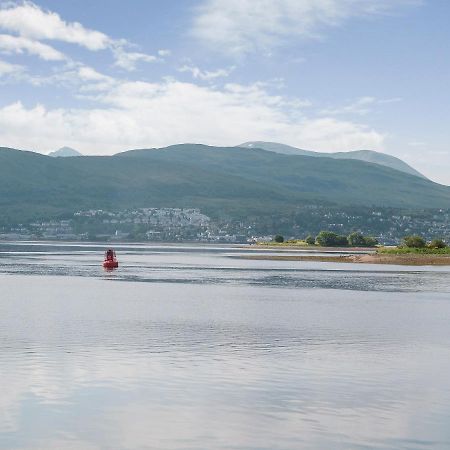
{"type": "Point", "coordinates": [190, 347]}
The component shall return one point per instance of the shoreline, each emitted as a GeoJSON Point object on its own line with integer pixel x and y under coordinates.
{"type": "Point", "coordinates": [373, 258]}
{"type": "Point", "coordinates": [309, 248]}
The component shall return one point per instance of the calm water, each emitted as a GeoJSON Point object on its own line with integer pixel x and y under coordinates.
{"type": "Point", "coordinates": [190, 347]}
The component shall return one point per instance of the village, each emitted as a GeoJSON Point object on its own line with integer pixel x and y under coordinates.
{"type": "Point", "coordinates": [192, 225]}
{"type": "Point", "coordinates": [143, 224]}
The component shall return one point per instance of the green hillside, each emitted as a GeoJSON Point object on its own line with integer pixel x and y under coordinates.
{"type": "Point", "coordinates": [220, 181]}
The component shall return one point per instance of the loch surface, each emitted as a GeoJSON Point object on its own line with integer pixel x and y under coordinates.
{"type": "Point", "coordinates": [190, 347]}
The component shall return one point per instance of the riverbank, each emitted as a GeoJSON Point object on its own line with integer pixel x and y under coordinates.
{"type": "Point", "coordinates": [367, 258]}
{"type": "Point", "coordinates": [308, 248]}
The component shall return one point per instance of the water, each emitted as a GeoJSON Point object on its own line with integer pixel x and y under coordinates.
{"type": "Point", "coordinates": [190, 347]}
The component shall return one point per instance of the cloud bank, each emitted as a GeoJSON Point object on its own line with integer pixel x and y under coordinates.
{"type": "Point", "coordinates": [239, 27]}
{"type": "Point", "coordinates": [133, 114]}
{"type": "Point", "coordinates": [31, 25]}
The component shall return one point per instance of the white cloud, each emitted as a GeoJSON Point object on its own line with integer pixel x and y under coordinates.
{"type": "Point", "coordinates": [164, 52]}
{"type": "Point", "coordinates": [34, 24]}
{"type": "Point", "coordinates": [91, 80]}
{"type": "Point", "coordinates": [7, 68]}
{"type": "Point", "coordinates": [128, 60]}
{"type": "Point", "coordinates": [140, 114]}
{"type": "Point", "coordinates": [74, 76]}
{"type": "Point", "coordinates": [329, 134]}
{"type": "Point", "coordinates": [89, 74]}
{"type": "Point", "coordinates": [361, 106]}
{"type": "Point", "coordinates": [14, 44]}
{"type": "Point", "coordinates": [31, 21]}
{"type": "Point", "coordinates": [243, 26]}
{"type": "Point", "coordinates": [206, 75]}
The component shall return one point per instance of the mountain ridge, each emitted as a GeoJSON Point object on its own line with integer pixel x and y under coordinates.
{"type": "Point", "coordinates": [222, 181]}
{"type": "Point", "coordinates": [372, 156]}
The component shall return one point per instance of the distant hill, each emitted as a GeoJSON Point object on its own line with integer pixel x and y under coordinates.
{"type": "Point", "coordinates": [219, 180]}
{"type": "Point", "coordinates": [65, 152]}
{"type": "Point", "coordinates": [361, 155]}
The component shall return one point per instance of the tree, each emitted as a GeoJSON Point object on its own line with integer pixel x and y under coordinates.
{"type": "Point", "coordinates": [359, 240]}
{"type": "Point", "coordinates": [414, 242]}
{"type": "Point", "coordinates": [330, 239]}
{"type": "Point", "coordinates": [437, 243]}
{"type": "Point", "coordinates": [371, 241]}
{"type": "Point", "coordinates": [278, 238]}
{"type": "Point", "coordinates": [310, 240]}
{"type": "Point", "coordinates": [356, 239]}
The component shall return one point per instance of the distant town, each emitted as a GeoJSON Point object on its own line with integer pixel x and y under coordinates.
{"type": "Point", "coordinates": [192, 225]}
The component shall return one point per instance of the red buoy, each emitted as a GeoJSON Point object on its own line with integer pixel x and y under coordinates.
{"type": "Point", "coordinates": [110, 261]}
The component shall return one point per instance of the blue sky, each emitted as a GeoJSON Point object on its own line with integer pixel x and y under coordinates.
{"type": "Point", "coordinates": [104, 76]}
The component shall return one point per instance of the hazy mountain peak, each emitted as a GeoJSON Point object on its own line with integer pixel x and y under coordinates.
{"type": "Point", "coordinates": [371, 156]}
{"type": "Point", "coordinates": [65, 152]}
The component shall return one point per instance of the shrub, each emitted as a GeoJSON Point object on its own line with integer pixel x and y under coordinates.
{"type": "Point", "coordinates": [437, 243]}
{"type": "Point", "coordinates": [414, 242]}
{"type": "Point", "coordinates": [310, 240]}
{"type": "Point", "coordinates": [278, 238]}
{"type": "Point", "coordinates": [371, 241]}
{"type": "Point", "coordinates": [356, 239]}
{"type": "Point", "coordinates": [330, 239]}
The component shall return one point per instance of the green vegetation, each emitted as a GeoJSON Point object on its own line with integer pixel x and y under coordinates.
{"type": "Point", "coordinates": [414, 242]}
{"type": "Point", "coordinates": [286, 243]}
{"type": "Point", "coordinates": [327, 239]}
{"type": "Point", "coordinates": [410, 250]}
{"type": "Point", "coordinates": [418, 245]}
{"type": "Point", "coordinates": [370, 241]}
{"type": "Point", "coordinates": [437, 243]}
{"type": "Point", "coordinates": [330, 239]}
{"type": "Point", "coordinates": [358, 240]}
{"type": "Point", "coordinates": [229, 183]}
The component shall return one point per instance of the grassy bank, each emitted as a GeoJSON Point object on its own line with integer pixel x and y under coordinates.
{"type": "Point", "coordinates": [290, 243]}
{"type": "Point", "coordinates": [413, 251]}
{"type": "Point", "coordinates": [411, 259]}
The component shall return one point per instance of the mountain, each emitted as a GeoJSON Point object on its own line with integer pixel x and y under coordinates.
{"type": "Point", "coordinates": [219, 180]}
{"type": "Point", "coordinates": [362, 155]}
{"type": "Point", "coordinates": [65, 152]}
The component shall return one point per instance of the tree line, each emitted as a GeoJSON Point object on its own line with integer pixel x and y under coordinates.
{"type": "Point", "coordinates": [331, 239]}
{"type": "Point", "coordinates": [356, 239]}
{"type": "Point", "coordinates": [420, 242]}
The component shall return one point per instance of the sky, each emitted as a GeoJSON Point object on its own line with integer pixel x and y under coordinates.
{"type": "Point", "coordinates": [104, 76]}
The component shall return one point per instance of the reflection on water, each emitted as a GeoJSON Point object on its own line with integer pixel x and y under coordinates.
{"type": "Point", "coordinates": [187, 347]}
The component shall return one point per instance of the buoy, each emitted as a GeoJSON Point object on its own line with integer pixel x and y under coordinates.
{"type": "Point", "coordinates": [110, 261]}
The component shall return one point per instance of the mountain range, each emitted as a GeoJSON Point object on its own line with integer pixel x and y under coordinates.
{"type": "Point", "coordinates": [219, 180]}
{"type": "Point", "coordinates": [362, 155]}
